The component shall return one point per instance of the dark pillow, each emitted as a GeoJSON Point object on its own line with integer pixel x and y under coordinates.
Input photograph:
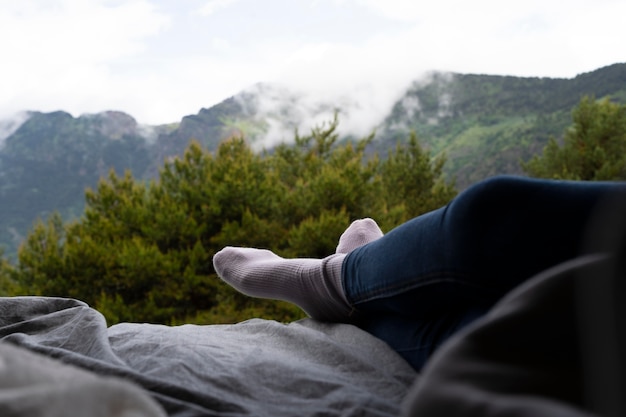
{"type": "Point", "coordinates": [522, 359]}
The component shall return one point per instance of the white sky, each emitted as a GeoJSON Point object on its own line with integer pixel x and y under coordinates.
{"type": "Point", "coordinates": [160, 60]}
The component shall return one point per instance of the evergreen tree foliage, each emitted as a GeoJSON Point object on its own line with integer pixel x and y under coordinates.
{"type": "Point", "coordinates": [412, 183]}
{"type": "Point", "coordinates": [593, 148]}
{"type": "Point", "coordinates": [8, 286]}
{"type": "Point", "coordinates": [142, 251]}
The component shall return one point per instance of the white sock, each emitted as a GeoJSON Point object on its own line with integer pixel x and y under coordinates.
{"type": "Point", "coordinates": [312, 284]}
{"type": "Point", "coordinates": [359, 233]}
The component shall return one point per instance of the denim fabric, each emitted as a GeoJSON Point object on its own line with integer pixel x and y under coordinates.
{"type": "Point", "coordinates": [436, 273]}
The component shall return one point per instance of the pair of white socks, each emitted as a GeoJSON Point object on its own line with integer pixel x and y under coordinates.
{"type": "Point", "coordinates": [315, 285]}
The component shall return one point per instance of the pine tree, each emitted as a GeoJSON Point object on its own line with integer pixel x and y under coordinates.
{"type": "Point", "coordinates": [413, 183]}
{"type": "Point", "coordinates": [8, 286]}
{"type": "Point", "coordinates": [593, 148]}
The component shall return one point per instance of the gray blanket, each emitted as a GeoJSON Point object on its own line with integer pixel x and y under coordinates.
{"type": "Point", "coordinates": [254, 368]}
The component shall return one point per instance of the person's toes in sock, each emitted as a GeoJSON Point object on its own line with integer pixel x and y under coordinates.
{"type": "Point", "coordinates": [359, 233]}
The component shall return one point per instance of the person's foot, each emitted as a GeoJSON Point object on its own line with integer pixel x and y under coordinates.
{"type": "Point", "coordinates": [312, 284]}
{"type": "Point", "coordinates": [359, 233]}
{"type": "Point", "coordinates": [315, 285]}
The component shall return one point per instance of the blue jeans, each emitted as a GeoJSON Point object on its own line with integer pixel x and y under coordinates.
{"type": "Point", "coordinates": [436, 273]}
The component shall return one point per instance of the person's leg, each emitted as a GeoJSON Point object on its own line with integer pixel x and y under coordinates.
{"type": "Point", "coordinates": [494, 235]}
{"type": "Point", "coordinates": [490, 238]}
{"type": "Point", "coordinates": [415, 339]}
{"type": "Point", "coordinates": [437, 273]}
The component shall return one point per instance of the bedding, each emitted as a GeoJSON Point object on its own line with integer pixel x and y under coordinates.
{"type": "Point", "coordinates": [69, 360]}
{"type": "Point", "coordinates": [547, 348]}
{"type": "Point", "coordinates": [34, 385]}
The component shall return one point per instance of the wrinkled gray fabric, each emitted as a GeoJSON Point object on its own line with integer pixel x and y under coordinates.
{"type": "Point", "coordinates": [254, 368]}
{"type": "Point", "coordinates": [36, 386]}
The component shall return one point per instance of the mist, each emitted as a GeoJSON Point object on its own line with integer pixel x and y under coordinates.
{"type": "Point", "coordinates": [9, 125]}
{"type": "Point", "coordinates": [360, 101]}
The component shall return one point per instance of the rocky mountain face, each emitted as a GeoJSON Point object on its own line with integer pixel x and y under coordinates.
{"type": "Point", "coordinates": [484, 124]}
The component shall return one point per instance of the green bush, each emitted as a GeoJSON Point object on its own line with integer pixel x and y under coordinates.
{"type": "Point", "coordinates": [593, 148]}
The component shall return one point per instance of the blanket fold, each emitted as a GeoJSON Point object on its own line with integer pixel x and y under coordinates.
{"type": "Point", "coordinates": [255, 368]}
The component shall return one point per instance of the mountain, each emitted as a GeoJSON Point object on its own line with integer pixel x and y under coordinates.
{"type": "Point", "coordinates": [484, 124]}
{"type": "Point", "coordinates": [46, 164]}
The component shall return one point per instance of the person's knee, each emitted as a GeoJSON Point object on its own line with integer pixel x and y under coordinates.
{"type": "Point", "coordinates": [492, 195]}
{"type": "Point", "coordinates": [496, 186]}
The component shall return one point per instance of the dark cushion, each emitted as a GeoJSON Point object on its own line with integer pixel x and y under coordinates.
{"type": "Point", "coordinates": [522, 359]}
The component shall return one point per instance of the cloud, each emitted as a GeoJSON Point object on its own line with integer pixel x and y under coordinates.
{"type": "Point", "coordinates": [62, 53]}
{"type": "Point", "coordinates": [213, 6]}
{"type": "Point", "coordinates": [402, 41]}
{"type": "Point", "coordinates": [530, 38]}
{"type": "Point", "coordinates": [364, 77]}
{"type": "Point", "coordinates": [9, 125]}
{"type": "Point", "coordinates": [160, 60]}
{"type": "Point", "coordinates": [362, 81]}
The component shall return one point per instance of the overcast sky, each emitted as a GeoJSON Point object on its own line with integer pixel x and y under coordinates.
{"type": "Point", "coordinates": [160, 60]}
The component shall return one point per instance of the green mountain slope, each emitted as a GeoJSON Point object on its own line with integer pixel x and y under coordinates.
{"type": "Point", "coordinates": [486, 124]}
{"type": "Point", "coordinates": [47, 163]}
